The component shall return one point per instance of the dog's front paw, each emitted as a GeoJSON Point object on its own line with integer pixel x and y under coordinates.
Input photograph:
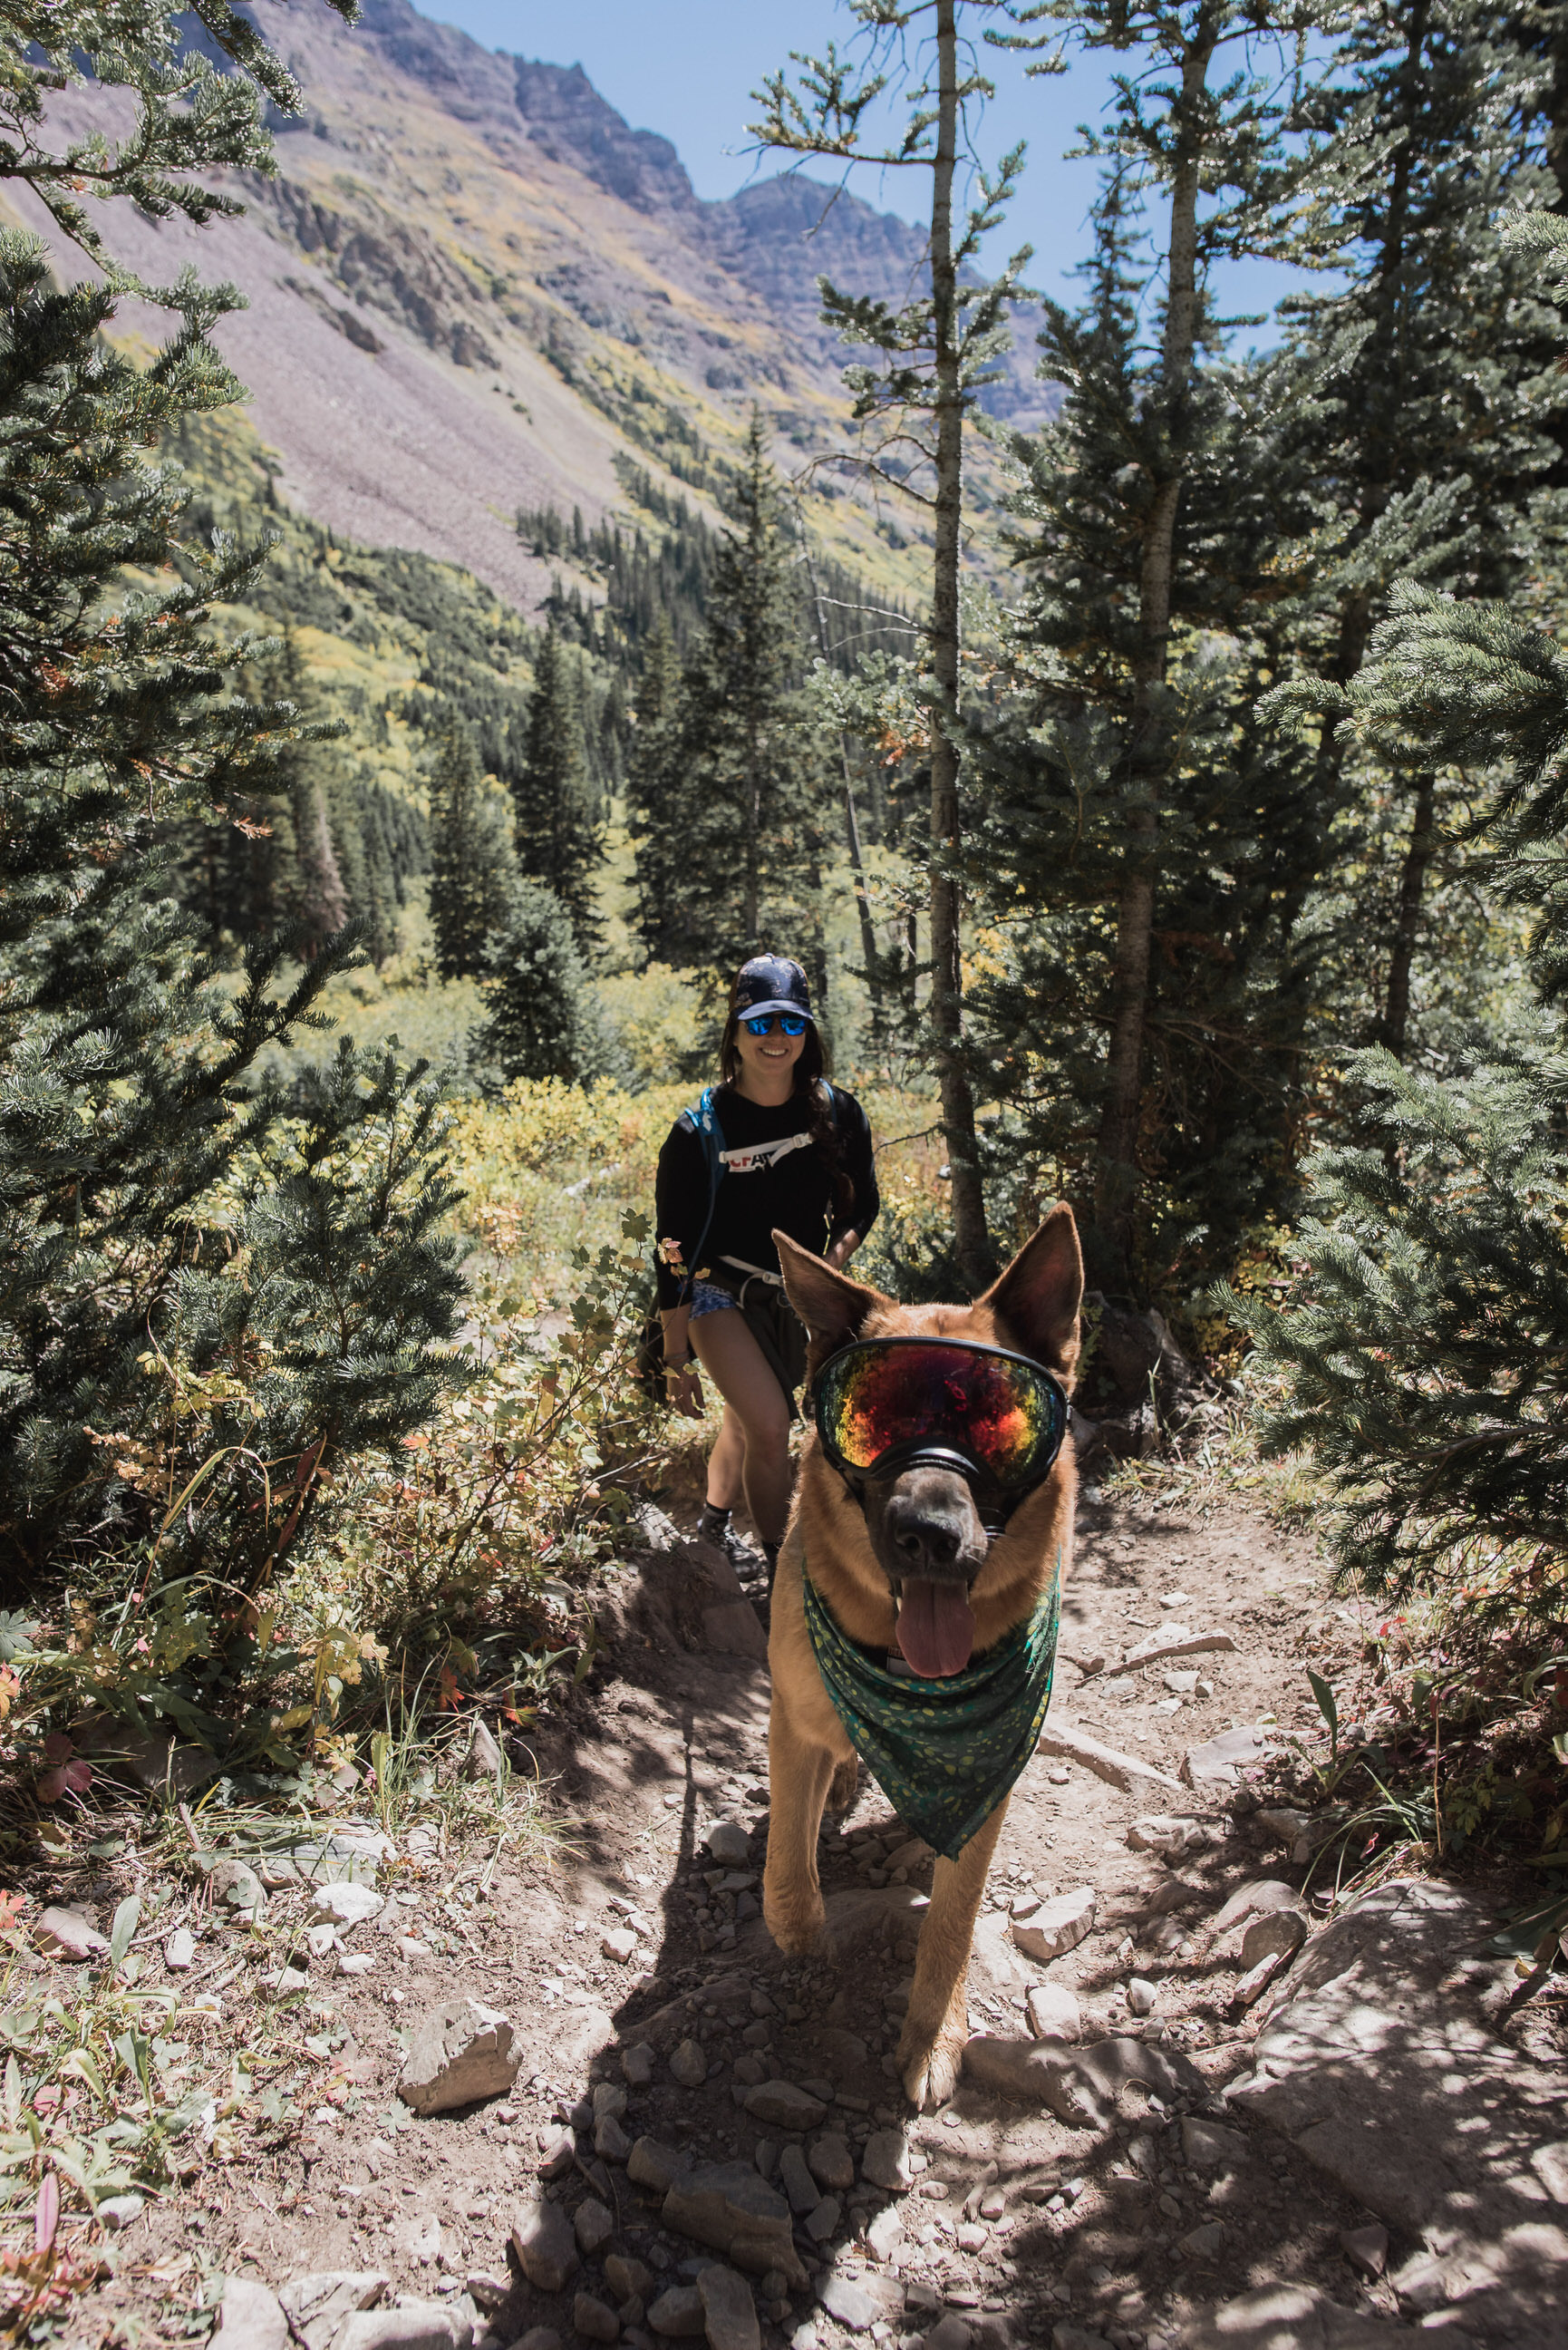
{"type": "Point", "coordinates": [929, 2066]}
{"type": "Point", "coordinates": [797, 1926]}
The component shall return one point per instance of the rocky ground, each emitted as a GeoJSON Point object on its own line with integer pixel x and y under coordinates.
{"type": "Point", "coordinates": [1189, 2116]}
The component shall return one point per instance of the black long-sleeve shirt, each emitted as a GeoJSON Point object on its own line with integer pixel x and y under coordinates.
{"type": "Point", "coordinates": [775, 1177]}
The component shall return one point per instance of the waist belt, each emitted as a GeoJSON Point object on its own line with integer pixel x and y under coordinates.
{"type": "Point", "coordinates": [753, 1272]}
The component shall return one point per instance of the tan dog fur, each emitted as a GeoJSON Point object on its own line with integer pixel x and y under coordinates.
{"type": "Point", "coordinates": [1032, 1308]}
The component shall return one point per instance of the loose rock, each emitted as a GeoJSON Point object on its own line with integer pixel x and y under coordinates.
{"type": "Point", "coordinates": [66, 1934]}
{"type": "Point", "coordinates": [1054, 2012]}
{"type": "Point", "coordinates": [821, 2222]}
{"type": "Point", "coordinates": [628, 2278]}
{"type": "Point", "coordinates": [886, 2162]}
{"type": "Point", "coordinates": [851, 2303]}
{"type": "Point", "coordinates": [238, 1887]}
{"type": "Point", "coordinates": [885, 2233]}
{"type": "Point", "coordinates": [610, 2140]}
{"type": "Point", "coordinates": [460, 2051]}
{"type": "Point", "coordinates": [679, 2312]}
{"type": "Point", "coordinates": [593, 2224]}
{"type": "Point", "coordinates": [830, 2162]}
{"type": "Point", "coordinates": [557, 2155]}
{"type": "Point", "coordinates": [1119, 1770]}
{"type": "Point", "coordinates": [412, 2325]}
{"type": "Point", "coordinates": [1366, 2249]}
{"type": "Point", "coordinates": [538, 2337]}
{"type": "Point", "coordinates": [594, 2320]}
{"type": "Point", "coordinates": [180, 1951]}
{"type": "Point", "coordinates": [542, 2241]}
{"type": "Point", "coordinates": [1252, 1899]}
{"type": "Point", "coordinates": [637, 2064]}
{"type": "Point", "coordinates": [798, 2183]}
{"type": "Point", "coordinates": [784, 2106]}
{"type": "Point", "coordinates": [1206, 2146]}
{"type": "Point", "coordinates": [249, 2316]}
{"type": "Point", "coordinates": [117, 2211]}
{"type": "Point", "coordinates": [727, 2205]}
{"type": "Point", "coordinates": [1202, 2244]}
{"type": "Point", "coordinates": [1277, 1933]}
{"type": "Point", "coordinates": [316, 2306]}
{"type": "Point", "coordinates": [655, 2166]}
{"type": "Point", "coordinates": [951, 2332]}
{"type": "Point", "coordinates": [485, 2289]}
{"type": "Point", "coordinates": [1218, 1763]}
{"type": "Point", "coordinates": [484, 1759]}
{"type": "Point", "coordinates": [348, 1903]}
{"type": "Point", "coordinates": [620, 1944]}
{"type": "Point", "coordinates": [689, 2065]}
{"type": "Point", "coordinates": [1058, 1925]}
{"type": "Point", "coordinates": [728, 2311]}
{"type": "Point", "coordinates": [1166, 1834]}
{"type": "Point", "coordinates": [728, 1842]}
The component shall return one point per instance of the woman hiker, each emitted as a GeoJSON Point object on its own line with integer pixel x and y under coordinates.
{"type": "Point", "coordinates": [772, 1145]}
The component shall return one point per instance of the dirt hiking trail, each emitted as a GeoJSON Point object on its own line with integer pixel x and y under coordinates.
{"type": "Point", "coordinates": [699, 2139]}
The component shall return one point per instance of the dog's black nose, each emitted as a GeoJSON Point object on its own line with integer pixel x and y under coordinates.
{"type": "Point", "coordinates": [928, 1539]}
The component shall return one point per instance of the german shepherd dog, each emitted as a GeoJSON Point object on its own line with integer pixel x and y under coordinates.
{"type": "Point", "coordinates": [917, 1540]}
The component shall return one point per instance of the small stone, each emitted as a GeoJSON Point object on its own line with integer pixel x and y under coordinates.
{"type": "Point", "coordinates": [972, 2237]}
{"type": "Point", "coordinates": [766, 2154]}
{"type": "Point", "coordinates": [538, 2337]}
{"type": "Point", "coordinates": [484, 1759]}
{"type": "Point", "coordinates": [628, 2278]}
{"type": "Point", "coordinates": [347, 1904]}
{"type": "Point", "coordinates": [886, 2162]}
{"type": "Point", "coordinates": [951, 2332]}
{"type": "Point", "coordinates": [655, 2166]}
{"type": "Point", "coordinates": [356, 1962]}
{"type": "Point", "coordinates": [885, 2233]}
{"type": "Point", "coordinates": [830, 2162]}
{"type": "Point", "coordinates": [1283, 1823]}
{"type": "Point", "coordinates": [1067, 2336]}
{"type": "Point", "coordinates": [1366, 2249]}
{"type": "Point", "coordinates": [485, 2289]}
{"type": "Point", "coordinates": [1181, 1684]}
{"type": "Point", "coordinates": [1251, 1986]}
{"type": "Point", "coordinates": [593, 2224]}
{"type": "Point", "coordinates": [1276, 1933]}
{"type": "Point", "coordinates": [1206, 2146]}
{"type": "Point", "coordinates": [822, 2220]}
{"type": "Point", "coordinates": [1166, 1834]}
{"type": "Point", "coordinates": [460, 2051]}
{"type": "Point", "coordinates": [542, 2241]}
{"type": "Point", "coordinates": [408, 2325]}
{"type": "Point", "coordinates": [728, 2206]}
{"type": "Point", "coordinates": [180, 1951]}
{"type": "Point", "coordinates": [1058, 1925]}
{"type": "Point", "coordinates": [557, 2148]}
{"type": "Point", "coordinates": [1218, 1762]}
{"type": "Point", "coordinates": [1141, 1996]}
{"type": "Point", "coordinates": [610, 2140]}
{"type": "Point", "coordinates": [594, 2320]}
{"type": "Point", "coordinates": [249, 2316]}
{"type": "Point", "coordinates": [750, 2070]}
{"type": "Point", "coordinates": [318, 2305]}
{"type": "Point", "coordinates": [851, 2303]}
{"type": "Point", "coordinates": [728, 2311]}
{"type": "Point", "coordinates": [1202, 2244]}
{"type": "Point", "coordinates": [798, 2183]}
{"type": "Point", "coordinates": [678, 2312]}
{"type": "Point", "coordinates": [728, 1842]}
{"type": "Point", "coordinates": [637, 2064]}
{"type": "Point", "coordinates": [620, 1944]}
{"type": "Point", "coordinates": [689, 2065]}
{"type": "Point", "coordinates": [117, 2211]}
{"type": "Point", "coordinates": [66, 1934]}
{"type": "Point", "coordinates": [784, 2106]}
{"type": "Point", "coordinates": [1054, 2012]}
{"type": "Point", "coordinates": [237, 1885]}
{"type": "Point", "coordinates": [608, 2097]}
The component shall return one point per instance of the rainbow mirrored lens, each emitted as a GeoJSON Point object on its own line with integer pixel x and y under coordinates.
{"type": "Point", "coordinates": [788, 1022]}
{"type": "Point", "coordinates": [887, 1396]}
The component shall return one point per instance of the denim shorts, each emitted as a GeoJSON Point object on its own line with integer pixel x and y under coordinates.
{"type": "Point", "coordinates": [708, 1297]}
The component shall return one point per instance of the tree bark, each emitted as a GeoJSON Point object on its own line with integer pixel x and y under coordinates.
{"type": "Point", "coordinates": [1407, 926]}
{"type": "Point", "coordinates": [971, 1242]}
{"type": "Point", "coordinates": [1116, 1184]}
{"type": "Point", "coordinates": [851, 818]}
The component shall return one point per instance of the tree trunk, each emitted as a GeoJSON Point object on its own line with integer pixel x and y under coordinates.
{"type": "Point", "coordinates": [851, 819]}
{"type": "Point", "coordinates": [1407, 929]}
{"type": "Point", "coordinates": [1116, 1183]}
{"type": "Point", "coordinates": [971, 1240]}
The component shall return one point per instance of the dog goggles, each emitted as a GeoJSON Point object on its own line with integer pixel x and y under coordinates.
{"type": "Point", "coordinates": [884, 1404]}
{"type": "Point", "coordinates": [789, 1023]}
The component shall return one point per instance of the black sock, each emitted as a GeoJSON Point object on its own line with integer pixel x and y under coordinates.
{"type": "Point", "coordinates": [714, 1522]}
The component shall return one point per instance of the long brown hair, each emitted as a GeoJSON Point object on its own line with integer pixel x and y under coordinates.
{"type": "Point", "coordinates": [810, 1089]}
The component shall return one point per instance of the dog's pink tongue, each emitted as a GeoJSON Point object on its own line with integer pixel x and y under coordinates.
{"type": "Point", "coordinates": [936, 1629]}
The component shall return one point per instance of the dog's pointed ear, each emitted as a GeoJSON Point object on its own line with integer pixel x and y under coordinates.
{"type": "Point", "coordinates": [832, 1306]}
{"type": "Point", "coordinates": [1035, 1301]}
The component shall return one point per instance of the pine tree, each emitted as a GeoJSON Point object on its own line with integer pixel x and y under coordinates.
{"type": "Point", "coordinates": [544, 1018]}
{"type": "Point", "coordinates": [558, 837]}
{"type": "Point", "coordinates": [139, 1151]}
{"type": "Point", "coordinates": [937, 350]}
{"type": "Point", "coordinates": [653, 806]}
{"type": "Point", "coordinates": [473, 869]}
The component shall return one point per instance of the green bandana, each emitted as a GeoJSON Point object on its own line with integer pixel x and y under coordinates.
{"type": "Point", "coordinates": [944, 1752]}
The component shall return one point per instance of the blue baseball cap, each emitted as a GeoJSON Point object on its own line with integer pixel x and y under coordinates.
{"type": "Point", "coordinates": [772, 983]}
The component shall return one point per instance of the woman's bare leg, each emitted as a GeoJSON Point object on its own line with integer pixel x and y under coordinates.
{"type": "Point", "coordinates": [738, 1369]}
{"type": "Point", "coordinates": [727, 1461]}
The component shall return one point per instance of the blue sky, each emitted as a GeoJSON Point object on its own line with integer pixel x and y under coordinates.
{"type": "Point", "coordinates": [687, 70]}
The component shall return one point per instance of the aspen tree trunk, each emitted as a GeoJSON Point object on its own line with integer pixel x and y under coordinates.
{"type": "Point", "coordinates": [971, 1243]}
{"type": "Point", "coordinates": [1116, 1176]}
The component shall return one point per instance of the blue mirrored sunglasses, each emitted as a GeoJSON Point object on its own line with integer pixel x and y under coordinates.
{"type": "Point", "coordinates": [790, 1022]}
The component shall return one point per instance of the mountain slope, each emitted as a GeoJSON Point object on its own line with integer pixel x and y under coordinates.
{"type": "Point", "coordinates": [473, 288]}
